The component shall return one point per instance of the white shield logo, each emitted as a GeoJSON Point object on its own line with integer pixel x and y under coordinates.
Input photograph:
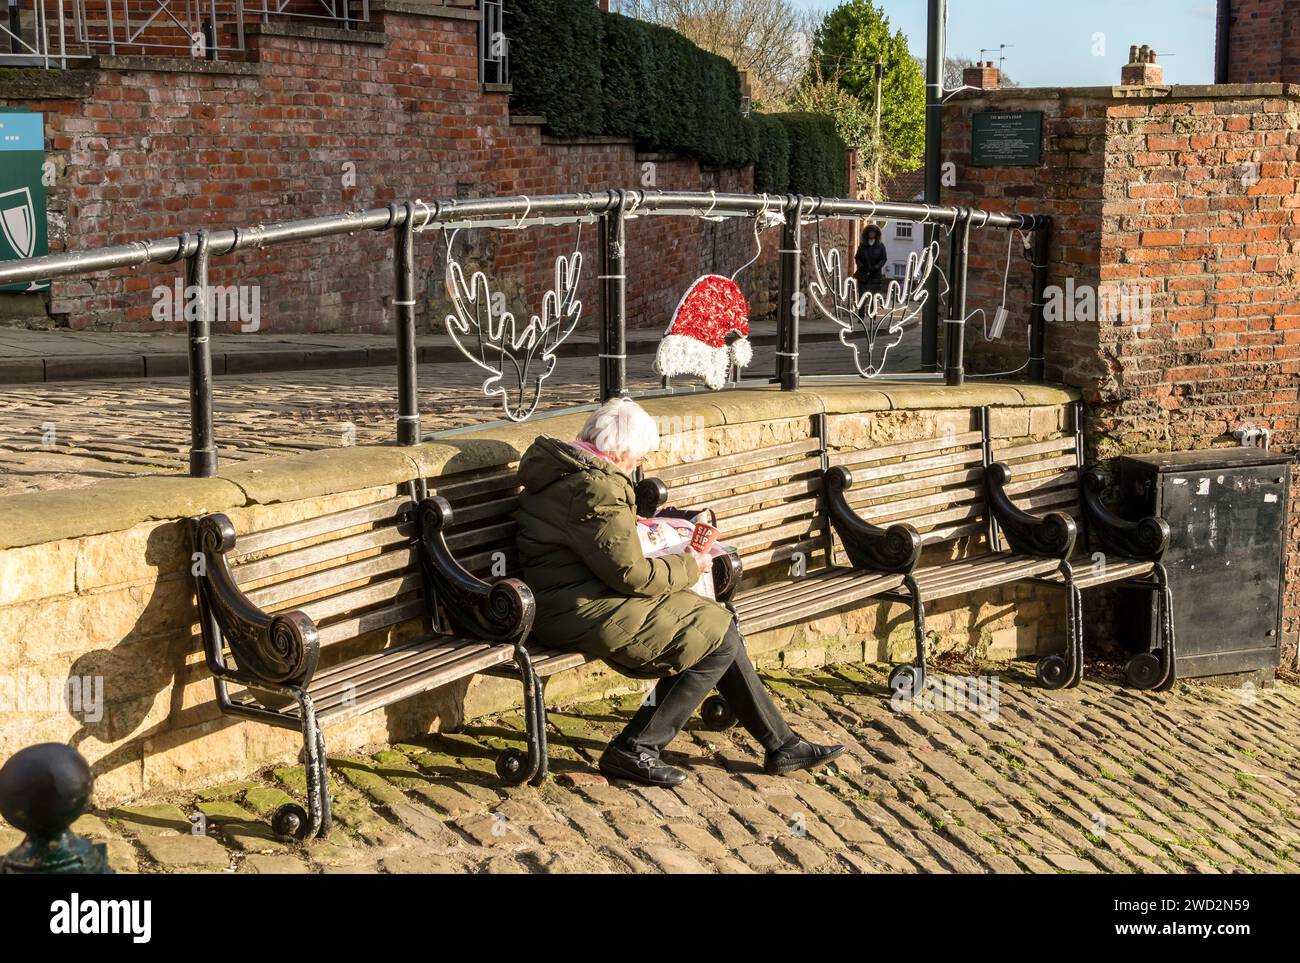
{"type": "Point", "coordinates": [18, 220]}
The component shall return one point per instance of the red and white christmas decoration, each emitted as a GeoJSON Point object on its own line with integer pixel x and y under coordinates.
{"type": "Point", "coordinates": [696, 341]}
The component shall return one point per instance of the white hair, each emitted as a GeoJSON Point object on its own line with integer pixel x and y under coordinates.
{"type": "Point", "coordinates": [622, 428]}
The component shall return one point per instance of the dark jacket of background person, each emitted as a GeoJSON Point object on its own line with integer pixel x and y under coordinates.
{"type": "Point", "coordinates": [595, 590]}
{"type": "Point", "coordinates": [870, 261]}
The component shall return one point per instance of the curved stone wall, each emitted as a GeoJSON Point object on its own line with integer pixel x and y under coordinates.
{"type": "Point", "coordinates": [94, 583]}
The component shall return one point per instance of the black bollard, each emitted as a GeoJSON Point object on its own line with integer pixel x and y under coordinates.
{"type": "Point", "coordinates": [43, 789]}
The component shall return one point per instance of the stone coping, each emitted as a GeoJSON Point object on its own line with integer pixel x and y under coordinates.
{"type": "Point", "coordinates": [38, 83]}
{"type": "Point", "coordinates": [311, 31]}
{"type": "Point", "coordinates": [1137, 92]}
{"type": "Point", "coordinates": [118, 504]}
{"type": "Point", "coordinates": [427, 8]}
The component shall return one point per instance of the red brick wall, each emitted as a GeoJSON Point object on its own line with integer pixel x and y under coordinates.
{"type": "Point", "coordinates": [1196, 197]}
{"type": "Point", "coordinates": [164, 147]}
{"type": "Point", "coordinates": [1263, 41]}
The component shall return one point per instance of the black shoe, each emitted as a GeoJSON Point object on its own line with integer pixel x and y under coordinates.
{"type": "Point", "coordinates": [798, 753]}
{"type": "Point", "coordinates": [639, 766]}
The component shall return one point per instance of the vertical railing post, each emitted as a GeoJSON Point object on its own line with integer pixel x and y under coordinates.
{"type": "Point", "coordinates": [408, 402]}
{"type": "Point", "coordinates": [1040, 252]}
{"type": "Point", "coordinates": [197, 307]}
{"type": "Point", "coordinates": [790, 307]}
{"type": "Point", "coordinates": [15, 28]}
{"type": "Point", "coordinates": [935, 52]}
{"type": "Point", "coordinates": [954, 371]}
{"type": "Point", "coordinates": [613, 301]}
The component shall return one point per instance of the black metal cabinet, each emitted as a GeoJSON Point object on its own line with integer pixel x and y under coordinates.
{"type": "Point", "coordinates": [1227, 511]}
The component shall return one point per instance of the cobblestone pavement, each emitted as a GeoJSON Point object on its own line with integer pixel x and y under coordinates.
{"type": "Point", "coordinates": [68, 434]}
{"type": "Point", "coordinates": [1100, 779]}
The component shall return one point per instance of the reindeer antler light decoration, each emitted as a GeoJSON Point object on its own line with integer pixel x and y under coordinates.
{"type": "Point", "coordinates": [871, 322]}
{"type": "Point", "coordinates": [517, 362]}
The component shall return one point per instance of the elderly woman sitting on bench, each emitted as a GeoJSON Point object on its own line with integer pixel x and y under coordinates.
{"type": "Point", "coordinates": [597, 592]}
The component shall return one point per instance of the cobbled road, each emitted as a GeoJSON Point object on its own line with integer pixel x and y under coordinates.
{"type": "Point", "coordinates": [68, 434]}
{"type": "Point", "coordinates": [1101, 779]}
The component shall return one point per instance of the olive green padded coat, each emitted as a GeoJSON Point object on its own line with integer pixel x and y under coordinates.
{"type": "Point", "coordinates": [595, 591]}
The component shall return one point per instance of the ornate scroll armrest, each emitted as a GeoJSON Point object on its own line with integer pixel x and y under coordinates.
{"type": "Point", "coordinates": [1051, 535]}
{"type": "Point", "coordinates": [1145, 539]}
{"type": "Point", "coordinates": [727, 571]}
{"type": "Point", "coordinates": [281, 649]}
{"type": "Point", "coordinates": [893, 548]}
{"type": "Point", "coordinates": [651, 494]}
{"type": "Point", "coordinates": [500, 611]}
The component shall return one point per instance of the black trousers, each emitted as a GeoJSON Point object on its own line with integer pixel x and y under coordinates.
{"type": "Point", "coordinates": [728, 669]}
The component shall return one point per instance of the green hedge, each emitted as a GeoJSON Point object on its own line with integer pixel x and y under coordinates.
{"type": "Point", "coordinates": [771, 153]}
{"type": "Point", "coordinates": [590, 72]}
{"type": "Point", "coordinates": [814, 159]}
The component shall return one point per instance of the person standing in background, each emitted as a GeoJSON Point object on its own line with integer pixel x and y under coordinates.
{"type": "Point", "coordinates": [871, 259]}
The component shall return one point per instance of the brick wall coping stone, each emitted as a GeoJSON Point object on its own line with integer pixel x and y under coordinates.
{"type": "Point", "coordinates": [37, 83]}
{"type": "Point", "coordinates": [118, 504]}
{"type": "Point", "coordinates": [1143, 92]}
{"type": "Point", "coordinates": [310, 31]}
{"type": "Point", "coordinates": [425, 9]}
{"type": "Point", "coordinates": [600, 139]}
{"type": "Point", "coordinates": [180, 65]}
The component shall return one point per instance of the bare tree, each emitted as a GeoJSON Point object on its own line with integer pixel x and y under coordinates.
{"type": "Point", "coordinates": [952, 72]}
{"type": "Point", "coordinates": [768, 39]}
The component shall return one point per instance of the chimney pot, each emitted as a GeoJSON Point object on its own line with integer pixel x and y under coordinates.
{"type": "Point", "coordinates": [983, 75]}
{"type": "Point", "coordinates": [1142, 69]}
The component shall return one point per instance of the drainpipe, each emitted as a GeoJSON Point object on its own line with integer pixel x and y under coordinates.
{"type": "Point", "coordinates": [1222, 40]}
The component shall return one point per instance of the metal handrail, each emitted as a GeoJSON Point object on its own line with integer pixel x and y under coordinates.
{"type": "Point", "coordinates": [64, 30]}
{"type": "Point", "coordinates": [41, 51]}
{"type": "Point", "coordinates": [431, 214]}
{"type": "Point", "coordinates": [494, 47]}
{"type": "Point", "coordinates": [335, 11]}
{"type": "Point", "coordinates": [612, 208]}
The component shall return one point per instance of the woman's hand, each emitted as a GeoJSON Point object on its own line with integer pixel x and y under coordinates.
{"type": "Point", "coordinates": [703, 561]}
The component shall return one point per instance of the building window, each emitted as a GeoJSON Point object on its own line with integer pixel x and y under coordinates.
{"type": "Point", "coordinates": [899, 269]}
{"type": "Point", "coordinates": [903, 230]}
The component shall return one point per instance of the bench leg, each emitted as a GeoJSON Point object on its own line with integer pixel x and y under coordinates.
{"type": "Point", "coordinates": [1066, 671]}
{"type": "Point", "coordinates": [1165, 604]}
{"type": "Point", "coordinates": [543, 749]}
{"type": "Point", "coordinates": [323, 787]}
{"type": "Point", "coordinates": [1156, 669]}
{"type": "Point", "coordinates": [290, 820]}
{"type": "Point", "coordinates": [907, 679]}
{"type": "Point", "coordinates": [514, 767]}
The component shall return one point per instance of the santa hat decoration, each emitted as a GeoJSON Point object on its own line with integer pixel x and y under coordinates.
{"type": "Point", "coordinates": [696, 341]}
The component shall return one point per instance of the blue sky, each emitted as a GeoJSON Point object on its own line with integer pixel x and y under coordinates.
{"type": "Point", "coordinates": [1054, 39]}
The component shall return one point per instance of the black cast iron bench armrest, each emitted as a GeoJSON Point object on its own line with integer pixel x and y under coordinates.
{"type": "Point", "coordinates": [500, 611]}
{"type": "Point", "coordinates": [1051, 535]}
{"type": "Point", "coordinates": [651, 493]}
{"type": "Point", "coordinates": [893, 548]}
{"type": "Point", "coordinates": [1145, 539]}
{"type": "Point", "coordinates": [280, 649]}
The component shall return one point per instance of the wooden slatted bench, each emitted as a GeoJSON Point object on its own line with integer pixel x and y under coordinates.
{"type": "Point", "coordinates": [945, 493]}
{"type": "Point", "coordinates": [318, 621]}
{"type": "Point", "coordinates": [479, 532]}
{"type": "Point", "coordinates": [770, 509]}
{"type": "Point", "coordinates": [982, 524]}
{"type": "Point", "coordinates": [1113, 550]}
